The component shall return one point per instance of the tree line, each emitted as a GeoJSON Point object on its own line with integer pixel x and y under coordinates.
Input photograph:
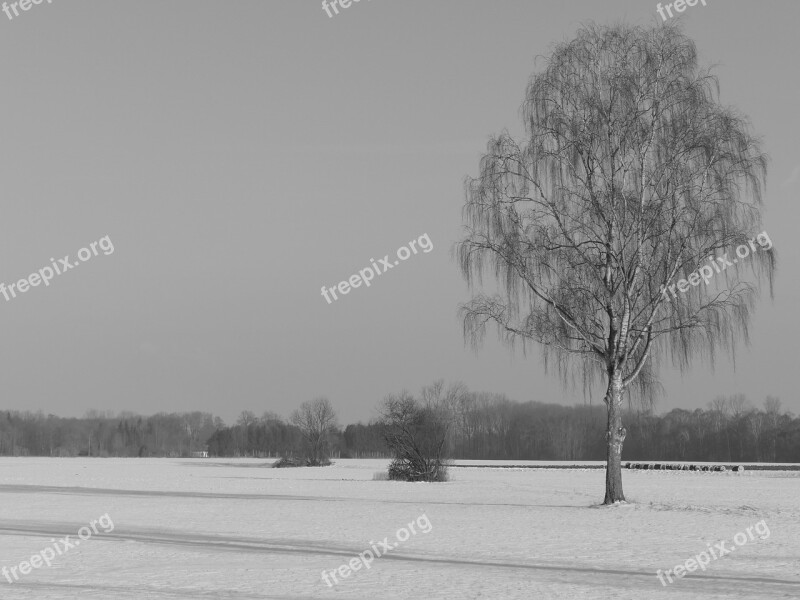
{"type": "Point", "coordinates": [480, 426]}
{"type": "Point", "coordinates": [101, 433]}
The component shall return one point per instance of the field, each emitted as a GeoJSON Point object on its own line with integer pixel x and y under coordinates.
{"type": "Point", "coordinates": [224, 528]}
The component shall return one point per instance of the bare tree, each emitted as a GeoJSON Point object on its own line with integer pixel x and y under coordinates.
{"type": "Point", "coordinates": [419, 433]}
{"type": "Point", "coordinates": [199, 426]}
{"type": "Point", "coordinates": [739, 404]}
{"type": "Point", "coordinates": [269, 417]}
{"type": "Point", "coordinates": [719, 418]}
{"type": "Point", "coordinates": [632, 176]}
{"type": "Point", "coordinates": [772, 406]}
{"type": "Point", "coordinates": [444, 402]}
{"type": "Point", "coordinates": [246, 418]}
{"type": "Point", "coordinates": [316, 420]}
{"type": "Point", "coordinates": [242, 432]}
{"type": "Point", "coordinates": [755, 423]}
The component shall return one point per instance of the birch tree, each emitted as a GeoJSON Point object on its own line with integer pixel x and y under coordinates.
{"type": "Point", "coordinates": [631, 178]}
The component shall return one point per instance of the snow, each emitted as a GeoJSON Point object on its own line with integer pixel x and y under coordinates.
{"type": "Point", "coordinates": [232, 528]}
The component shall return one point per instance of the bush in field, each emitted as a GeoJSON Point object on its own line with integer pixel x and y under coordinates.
{"type": "Point", "coordinates": [419, 432]}
{"type": "Point", "coordinates": [406, 470]}
{"type": "Point", "coordinates": [288, 461]}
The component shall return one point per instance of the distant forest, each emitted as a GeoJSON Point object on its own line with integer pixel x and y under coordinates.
{"type": "Point", "coordinates": [484, 426]}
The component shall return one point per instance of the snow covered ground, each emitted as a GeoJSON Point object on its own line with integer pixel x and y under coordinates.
{"type": "Point", "coordinates": [224, 528]}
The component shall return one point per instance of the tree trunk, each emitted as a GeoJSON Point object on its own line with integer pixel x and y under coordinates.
{"type": "Point", "coordinates": [615, 437]}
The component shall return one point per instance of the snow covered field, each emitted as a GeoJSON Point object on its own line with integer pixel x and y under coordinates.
{"type": "Point", "coordinates": [224, 528]}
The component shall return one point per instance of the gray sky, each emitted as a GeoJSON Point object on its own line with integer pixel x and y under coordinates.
{"type": "Point", "coordinates": [242, 154]}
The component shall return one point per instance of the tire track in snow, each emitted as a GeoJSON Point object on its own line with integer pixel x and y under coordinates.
{"type": "Point", "coordinates": [251, 545]}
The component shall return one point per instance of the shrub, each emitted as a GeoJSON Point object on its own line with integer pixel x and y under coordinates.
{"type": "Point", "coordinates": [414, 470]}
{"type": "Point", "coordinates": [293, 461]}
{"type": "Point", "coordinates": [287, 461]}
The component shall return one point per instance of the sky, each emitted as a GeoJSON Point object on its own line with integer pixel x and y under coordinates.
{"type": "Point", "coordinates": [241, 155]}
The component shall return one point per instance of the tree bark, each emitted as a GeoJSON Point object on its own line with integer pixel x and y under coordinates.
{"type": "Point", "coordinates": [615, 437]}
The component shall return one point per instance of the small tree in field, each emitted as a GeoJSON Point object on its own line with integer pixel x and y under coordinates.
{"type": "Point", "coordinates": [419, 432]}
{"type": "Point", "coordinates": [632, 177]}
{"type": "Point", "coordinates": [316, 420]}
